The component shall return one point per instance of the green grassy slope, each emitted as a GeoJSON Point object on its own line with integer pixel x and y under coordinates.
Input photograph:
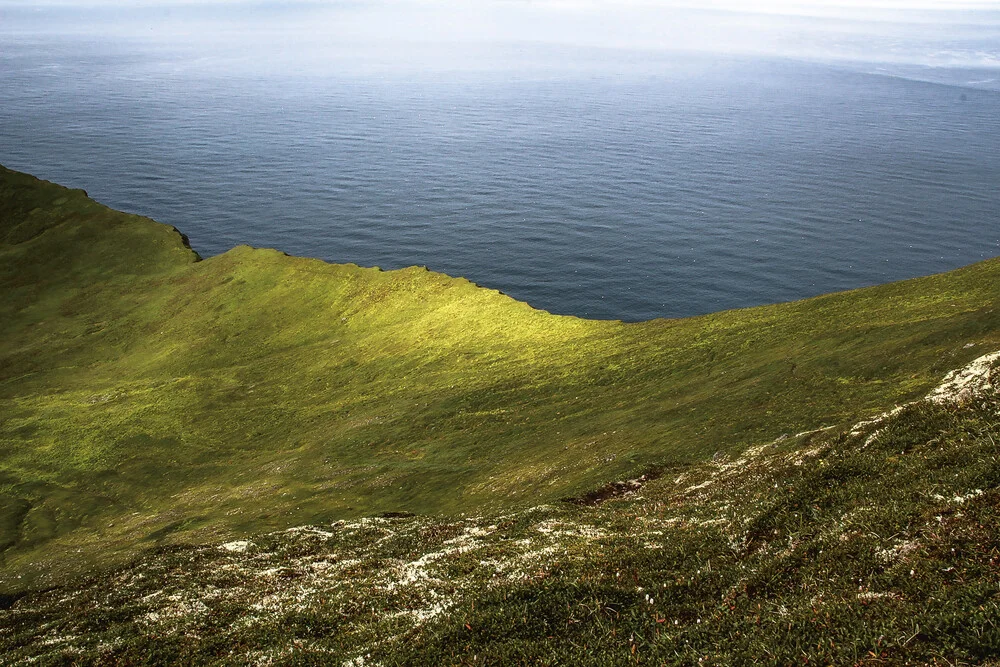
{"type": "Point", "coordinates": [869, 544]}
{"type": "Point", "coordinates": [149, 398]}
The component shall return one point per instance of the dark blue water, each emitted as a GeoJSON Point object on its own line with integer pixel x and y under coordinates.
{"type": "Point", "coordinates": [681, 185]}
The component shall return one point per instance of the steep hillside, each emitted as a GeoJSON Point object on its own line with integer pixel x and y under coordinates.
{"type": "Point", "coordinates": [866, 544]}
{"type": "Point", "coordinates": [150, 399]}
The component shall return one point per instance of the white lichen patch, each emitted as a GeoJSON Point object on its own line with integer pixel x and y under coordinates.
{"type": "Point", "coordinates": [309, 530]}
{"type": "Point", "coordinates": [703, 485]}
{"type": "Point", "coordinates": [185, 610]}
{"type": "Point", "coordinates": [967, 382]}
{"type": "Point", "coordinates": [871, 596]}
{"type": "Point", "coordinates": [973, 379]}
{"type": "Point", "coordinates": [862, 425]}
{"type": "Point", "coordinates": [557, 528]}
{"type": "Point", "coordinates": [961, 500]}
{"type": "Point", "coordinates": [899, 552]}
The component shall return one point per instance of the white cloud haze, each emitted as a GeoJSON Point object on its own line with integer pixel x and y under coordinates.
{"type": "Point", "coordinates": [935, 32]}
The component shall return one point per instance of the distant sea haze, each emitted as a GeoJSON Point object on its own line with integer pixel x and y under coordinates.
{"type": "Point", "coordinates": [688, 185]}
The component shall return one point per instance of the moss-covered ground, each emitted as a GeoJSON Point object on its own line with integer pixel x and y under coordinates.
{"type": "Point", "coordinates": [151, 402]}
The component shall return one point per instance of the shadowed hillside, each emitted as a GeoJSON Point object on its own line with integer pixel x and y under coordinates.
{"type": "Point", "coordinates": [150, 399]}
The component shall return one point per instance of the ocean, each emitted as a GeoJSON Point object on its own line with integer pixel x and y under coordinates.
{"type": "Point", "coordinates": [631, 187]}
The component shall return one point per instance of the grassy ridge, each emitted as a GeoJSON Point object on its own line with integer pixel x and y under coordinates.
{"type": "Point", "coordinates": [149, 398]}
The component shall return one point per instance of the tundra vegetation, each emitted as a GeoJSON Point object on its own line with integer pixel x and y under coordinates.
{"type": "Point", "coordinates": [268, 459]}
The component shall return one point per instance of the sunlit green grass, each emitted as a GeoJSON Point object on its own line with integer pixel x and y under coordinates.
{"type": "Point", "coordinates": [148, 398]}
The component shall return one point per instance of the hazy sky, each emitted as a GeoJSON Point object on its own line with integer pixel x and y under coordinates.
{"type": "Point", "coordinates": [930, 32]}
{"type": "Point", "coordinates": [851, 7]}
{"type": "Point", "coordinates": [756, 4]}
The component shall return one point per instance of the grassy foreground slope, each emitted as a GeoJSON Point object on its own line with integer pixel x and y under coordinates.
{"type": "Point", "coordinates": [875, 543]}
{"type": "Point", "coordinates": [147, 398]}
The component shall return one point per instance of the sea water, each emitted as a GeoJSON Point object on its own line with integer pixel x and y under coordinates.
{"type": "Point", "coordinates": [631, 186]}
